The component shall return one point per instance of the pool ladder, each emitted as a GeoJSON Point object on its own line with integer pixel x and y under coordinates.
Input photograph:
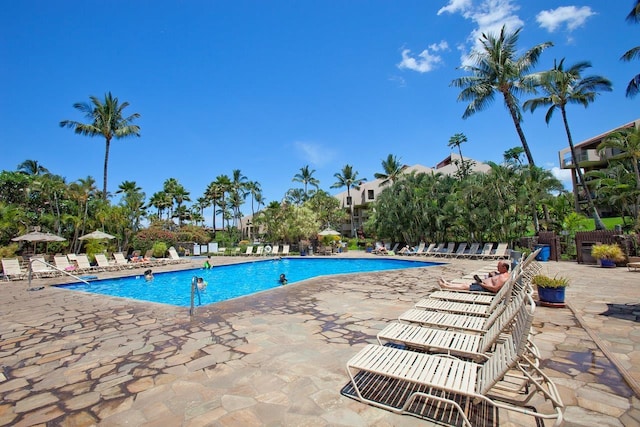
{"type": "Point", "coordinates": [194, 291]}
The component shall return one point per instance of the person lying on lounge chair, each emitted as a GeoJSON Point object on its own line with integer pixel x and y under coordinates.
{"type": "Point", "coordinates": [491, 284]}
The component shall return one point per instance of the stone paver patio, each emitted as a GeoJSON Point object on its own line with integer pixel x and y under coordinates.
{"type": "Point", "coordinates": [278, 358]}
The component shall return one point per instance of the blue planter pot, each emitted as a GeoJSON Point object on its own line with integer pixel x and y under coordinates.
{"type": "Point", "coordinates": [607, 263]}
{"type": "Point", "coordinates": [552, 295]}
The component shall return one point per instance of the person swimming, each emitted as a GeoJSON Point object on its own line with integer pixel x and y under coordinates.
{"type": "Point", "coordinates": [283, 279]}
{"type": "Point", "coordinates": [148, 275]}
{"type": "Point", "coordinates": [202, 285]}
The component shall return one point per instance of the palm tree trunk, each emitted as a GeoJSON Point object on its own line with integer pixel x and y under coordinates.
{"type": "Point", "coordinates": [596, 217]}
{"type": "Point", "coordinates": [353, 232]}
{"type": "Point", "coordinates": [516, 122]}
{"type": "Point", "coordinates": [106, 162]}
{"type": "Point", "coordinates": [213, 223]}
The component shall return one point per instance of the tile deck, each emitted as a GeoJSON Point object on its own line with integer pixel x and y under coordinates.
{"type": "Point", "coordinates": [278, 358]}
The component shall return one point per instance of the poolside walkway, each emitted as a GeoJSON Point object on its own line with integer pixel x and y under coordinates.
{"type": "Point", "coordinates": [278, 358]}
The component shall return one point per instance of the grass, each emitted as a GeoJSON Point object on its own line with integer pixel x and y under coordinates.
{"type": "Point", "coordinates": [588, 224]}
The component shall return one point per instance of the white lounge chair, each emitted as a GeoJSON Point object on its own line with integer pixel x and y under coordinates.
{"type": "Point", "coordinates": [475, 346]}
{"type": "Point", "coordinates": [174, 258]}
{"type": "Point", "coordinates": [121, 261]}
{"type": "Point", "coordinates": [437, 250]}
{"type": "Point", "coordinates": [446, 251]}
{"type": "Point", "coordinates": [62, 262]}
{"type": "Point", "coordinates": [486, 251]}
{"type": "Point", "coordinates": [404, 381]}
{"type": "Point", "coordinates": [460, 250]}
{"type": "Point", "coordinates": [104, 263]}
{"type": "Point", "coordinates": [12, 270]}
{"type": "Point", "coordinates": [249, 251]}
{"type": "Point", "coordinates": [472, 252]}
{"type": "Point", "coordinates": [40, 268]}
{"type": "Point", "coordinates": [84, 265]}
{"type": "Point", "coordinates": [418, 250]}
{"type": "Point", "coordinates": [275, 250]}
{"type": "Point", "coordinates": [501, 252]}
{"type": "Point", "coordinates": [259, 250]}
{"type": "Point", "coordinates": [285, 250]}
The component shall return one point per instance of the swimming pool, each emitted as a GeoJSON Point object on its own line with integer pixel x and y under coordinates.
{"type": "Point", "coordinates": [235, 280]}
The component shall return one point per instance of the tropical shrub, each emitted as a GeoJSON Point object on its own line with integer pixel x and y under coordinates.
{"type": "Point", "coordinates": [191, 233]}
{"type": "Point", "coordinates": [8, 251]}
{"type": "Point", "coordinates": [611, 252]}
{"type": "Point", "coordinates": [144, 239]}
{"type": "Point", "coordinates": [543, 281]}
{"type": "Point", "coordinates": [93, 247]}
{"type": "Point", "coordinates": [159, 249]}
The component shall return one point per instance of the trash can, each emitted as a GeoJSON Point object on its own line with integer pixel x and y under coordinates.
{"type": "Point", "coordinates": [544, 254]}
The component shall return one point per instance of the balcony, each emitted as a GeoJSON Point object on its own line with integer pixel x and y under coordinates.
{"type": "Point", "coordinates": [585, 158]}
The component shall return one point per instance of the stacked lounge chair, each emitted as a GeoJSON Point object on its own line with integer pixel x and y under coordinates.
{"type": "Point", "coordinates": [457, 374]}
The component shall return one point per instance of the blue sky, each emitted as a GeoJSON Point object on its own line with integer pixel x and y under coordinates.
{"type": "Point", "coordinates": [268, 87]}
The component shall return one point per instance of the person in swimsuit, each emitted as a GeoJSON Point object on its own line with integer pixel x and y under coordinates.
{"type": "Point", "coordinates": [491, 284]}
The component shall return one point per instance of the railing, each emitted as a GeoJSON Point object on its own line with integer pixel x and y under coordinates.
{"type": "Point", "coordinates": [32, 260]}
{"type": "Point", "coordinates": [194, 290]}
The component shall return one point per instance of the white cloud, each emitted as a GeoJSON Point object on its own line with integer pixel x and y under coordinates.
{"type": "Point", "coordinates": [563, 175]}
{"type": "Point", "coordinates": [489, 16]}
{"type": "Point", "coordinates": [314, 153]}
{"type": "Point", "coordinates": [455, 6]}
{"type": "Point", "coordinates": [426, 61]}
{"type": "Point", "coordinates": [399, 80]}
{"type": "Point", "coordinates": [571, 16]}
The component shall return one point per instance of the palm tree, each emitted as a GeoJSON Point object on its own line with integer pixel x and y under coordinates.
{"type": "Point", "coordinates": [32, 167]}
{"type": "Point", "coordinates": [512, 156]}
{"type": "Point", "coordinates": [107, 120]}
{"type": "Point", "coordinates": [498, 70]}
{"type": "Point", "coordinates": [161, 201]}
{"type": "Point", "coordinates": [627, 143]}
{"type": "Point", "coordinates": [562, 87]}
{"type": "Point", "coordinates": [306, 177]}
{"type": "Point", "coordinates": [295, 196]}
{"type": "Point", "coordinates": [463, 166]}
{"type": "Point", "coordinates": [215, 193]}
{"type": "Point", "coordinates": [255, 190]}
{"type": "Point", "coordinates": [348, 178]}
{"type": "Point", "coordinates": [82, 191]}
{"type": "Point", "coordinates": [634, 85]}
{"type": "Point", "coordinates": [392, 168]}
{"type": "Point", "coordinates": [238, 193]}
{"type": "Point", "coordinates": [128, 187]}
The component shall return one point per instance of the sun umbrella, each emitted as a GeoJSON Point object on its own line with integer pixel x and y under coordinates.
{"type": "Point", "coordinates": [38, 236]}
{"type": "Point", "coordinates": [97, 235]}
{"type": "Point", "coordinates": [328, 232]}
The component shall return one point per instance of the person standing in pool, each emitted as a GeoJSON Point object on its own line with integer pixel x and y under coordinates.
{"type": "Point", "coordinates": [202, 285]}
{"type": "Point", "coordinates": [283, 279]}
{"type": "Point", "coordinates": [148, 275]}
{"type": "Point", "coordinates": [207, 264]}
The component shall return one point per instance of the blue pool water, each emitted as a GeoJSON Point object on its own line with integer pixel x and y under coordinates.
{"type": "Point", "coordinates": [231, 281]}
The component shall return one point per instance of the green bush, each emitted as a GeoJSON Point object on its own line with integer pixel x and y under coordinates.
{"type": "Point", "coordinates": [93, 247]}
{"type": "Point", "coordinates": [145, 239]}
{"type": "Point", "coordinates": [8, 251]}
{"type": "Point", "coordinates": [611, 252]}
{"type": "Point", "coordinates": [543, 281]}
{"type": "Point", "coordinates": [159, 249]}
{"type": "Point", "coordinates": [191, 233]}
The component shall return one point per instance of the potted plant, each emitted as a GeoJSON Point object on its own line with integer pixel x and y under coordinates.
{"type": "Point", "coordinates": [607, 254]}
{"type": "Point", "coordinates": [551, 289]}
